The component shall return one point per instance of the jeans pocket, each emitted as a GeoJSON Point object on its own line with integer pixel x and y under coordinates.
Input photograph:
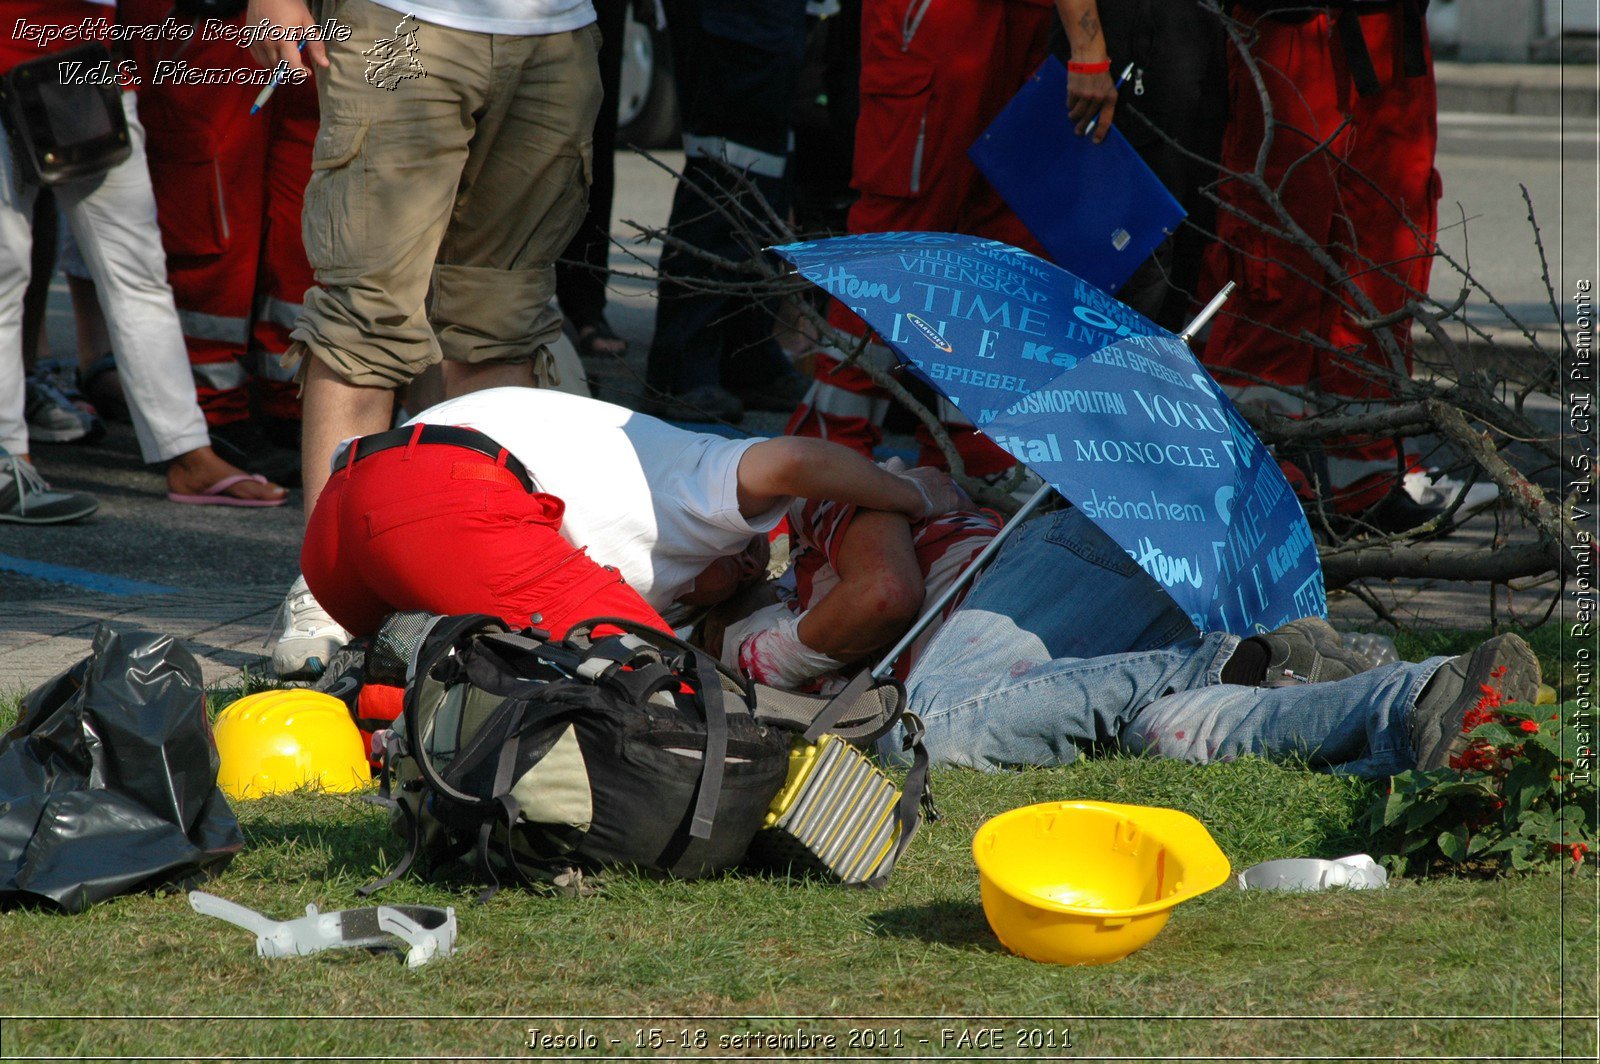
{"type": "Point", "coordinates": [1072, 530]}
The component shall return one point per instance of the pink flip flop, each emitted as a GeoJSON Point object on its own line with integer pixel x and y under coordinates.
{"type": "Point", "coordinates": [216, 495]}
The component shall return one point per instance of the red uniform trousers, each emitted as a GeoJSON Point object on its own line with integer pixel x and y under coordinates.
{"type": "Point", "coordinates": [445, 529]}
{"type": "Point", "coordinates": [1370, 197]}
{"type": "Point", "coordinates": [229, 188]}
{"type": "Point", "coordinates": [924, 100]}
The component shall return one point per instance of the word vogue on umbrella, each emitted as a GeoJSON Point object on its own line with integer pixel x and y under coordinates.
{"type": "Point", "coordinates": [1109, 408]}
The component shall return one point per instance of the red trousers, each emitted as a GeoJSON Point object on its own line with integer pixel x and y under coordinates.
{"type": "Point", "coordinates": [1370, 195]}
{"type": "Point", "coordinates": [446, 529]}
{"type": "Point", "coordinates": [229, 188]}
{"type": "Point", "coordinates": [923, 102]}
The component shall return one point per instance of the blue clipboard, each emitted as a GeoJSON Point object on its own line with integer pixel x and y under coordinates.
{"type": "Point", "coordinates": [1098, 209]}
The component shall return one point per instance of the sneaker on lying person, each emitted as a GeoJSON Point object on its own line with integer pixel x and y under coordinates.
{"type": "Point", "coordinates": [26, 499]}
{"type": "Point", "coordinates": [1434, 489]}
{"type": "Point", "coordinates": [1502, 669]}
{"type": "Point", "coordinates": [1305, 651]}
{"type": "Point", "coordinates": [307, 636]}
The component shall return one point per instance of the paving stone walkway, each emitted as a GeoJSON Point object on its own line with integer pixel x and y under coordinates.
{"type": "Point", "coordinates": [226, 630]}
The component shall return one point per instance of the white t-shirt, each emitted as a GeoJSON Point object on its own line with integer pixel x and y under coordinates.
{"type": "Point", "coordinates": [516, 18]}
{"type": "Point", "coordinates": [658, 502]}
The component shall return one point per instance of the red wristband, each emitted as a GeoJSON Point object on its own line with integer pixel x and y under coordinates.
{"type": "Point", "coordinates": [1102, 67]}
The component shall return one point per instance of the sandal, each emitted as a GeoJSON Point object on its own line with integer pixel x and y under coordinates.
{"type": "Point", "coordinates": [596, 340]}
{"type": "Point", "coordinates": [101, 386]}
{"type": "Point", "coordinates": [217, 494]}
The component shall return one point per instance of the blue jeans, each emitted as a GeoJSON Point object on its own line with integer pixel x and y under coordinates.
{"type": "Point", "coordinates": [1064, 645]}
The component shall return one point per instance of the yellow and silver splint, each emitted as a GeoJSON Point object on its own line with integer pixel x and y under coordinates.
{"type": "Point", "coordinates": [837, 815]}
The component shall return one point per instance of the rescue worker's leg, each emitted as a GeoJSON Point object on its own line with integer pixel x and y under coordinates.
{"type": "Point", "coordinates": [737, 65]}
{"type": "Point", "coordinates": [924, 100]}
{"type": "Point", "coordinates": [1256, 346]}
{"type": "Point", "coordinates": [523, 193]}
{"type": "Point", "coordinates": [284, 274]}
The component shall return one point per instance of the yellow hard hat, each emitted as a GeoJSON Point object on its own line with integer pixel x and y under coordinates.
{"type": "Point", "coordinates": [1090, 882]}
{"type": "Point", "coordinates": [279, 741]}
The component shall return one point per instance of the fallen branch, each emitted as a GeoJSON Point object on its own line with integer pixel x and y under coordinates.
{"type": "Point", "coordinates": [1437, 562]}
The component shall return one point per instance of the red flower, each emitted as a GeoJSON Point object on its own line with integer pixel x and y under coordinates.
{"type": "Point", "coordinates": [1499, 672]}
{"type": "Point", "coordinates": [1529, 726]}
{"type": "Point", "coordinates": [1578, 850]}
{"type": "Point", "coordinates": [1479, 755]}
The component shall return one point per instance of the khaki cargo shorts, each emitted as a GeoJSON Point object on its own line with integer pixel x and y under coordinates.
{"type": "Point", "coordinates": [450, 170]}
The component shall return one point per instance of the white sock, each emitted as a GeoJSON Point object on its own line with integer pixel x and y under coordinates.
{"type": "Point", "coordinates": [776, 657]}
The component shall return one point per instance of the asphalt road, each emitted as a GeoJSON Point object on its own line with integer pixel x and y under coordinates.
{"type": "Point", "coordinates": [139, 536]}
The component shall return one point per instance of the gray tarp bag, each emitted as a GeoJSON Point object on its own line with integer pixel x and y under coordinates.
{"type": "Point", "coordinates": [108, 781]}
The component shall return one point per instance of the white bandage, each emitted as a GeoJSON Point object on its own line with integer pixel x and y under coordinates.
{"type": "Point", "coordinates": [927, 500]}
{"type": "Point", "coordinates": [776, 657]}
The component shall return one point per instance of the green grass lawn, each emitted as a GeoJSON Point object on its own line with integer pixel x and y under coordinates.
{"type": "Point", "coordinates": [1427, 968]}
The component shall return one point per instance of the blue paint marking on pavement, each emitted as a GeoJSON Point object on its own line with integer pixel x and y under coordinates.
{"type": "Point", "coordinates": [65, 574]}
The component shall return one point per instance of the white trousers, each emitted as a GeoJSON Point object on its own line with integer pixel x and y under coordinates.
{"type": "Point", "coordinates": [113, 220]}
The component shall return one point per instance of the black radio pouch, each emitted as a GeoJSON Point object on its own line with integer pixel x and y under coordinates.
{"type": "Point", "coordinates": [65, 132]}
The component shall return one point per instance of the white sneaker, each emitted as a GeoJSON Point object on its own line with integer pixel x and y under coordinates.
{"type": "Point", "coordinates": [1434, 489]}
{"type": "Point", "coordinates": [307, 636]}
{"type": "Point", "coordinates": [26, 499]}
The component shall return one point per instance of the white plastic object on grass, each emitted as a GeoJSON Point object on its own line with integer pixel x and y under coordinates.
{"type": "Point", "coordinates": [426, 930]}
{"type": "Point", "coordinates": [1379, 649]}
{"type": "Point", "coordinates": [1356, 872]}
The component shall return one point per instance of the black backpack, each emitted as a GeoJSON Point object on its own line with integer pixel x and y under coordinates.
{"type": "Point", "coordinates": [531, 757]}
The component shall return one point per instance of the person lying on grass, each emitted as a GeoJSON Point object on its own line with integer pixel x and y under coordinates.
{"type": "Point", "coordinates": [1064, 646]}
{"type": "Point", "coordinates": [544, 508]}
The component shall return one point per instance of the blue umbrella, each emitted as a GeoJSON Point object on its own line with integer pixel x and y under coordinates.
{"type": "Point", "coordinates": [1107, 407]}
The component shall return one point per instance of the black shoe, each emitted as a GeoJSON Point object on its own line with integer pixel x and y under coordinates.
{"type": "Point", "coordinates": [709, 402]}
{"type": "Point", "coordinates": [244, 444]}
{"type": "Point", "coordinates": [1308, 651]}
{"type": "Point", "coordinates": [779, 396]}
{"type": "Point", "coordinates": [1397, 513]}
{"type": "Point", "coordinates": [1457, 687]}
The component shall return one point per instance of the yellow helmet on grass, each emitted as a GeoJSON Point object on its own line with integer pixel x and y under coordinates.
{"type": "Point", "coordinates": [280, 741]}
{"type": "Point", "coordinates": [1090, 882]}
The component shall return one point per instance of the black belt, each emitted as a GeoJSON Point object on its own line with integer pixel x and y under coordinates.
{"type": "Point", "coordinates": [449, 435]}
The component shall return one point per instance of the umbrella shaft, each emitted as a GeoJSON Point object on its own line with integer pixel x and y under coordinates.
{"type": "Point", "coordinates": [960, 582]}
{"type": "Point", "coordinates": [1207, 313]}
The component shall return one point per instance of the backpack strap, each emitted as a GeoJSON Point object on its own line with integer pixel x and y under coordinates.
{"type": "Point", "coordinates": [505, 767]}
{"type": "Point", "coordinates": [716, 755]}
{"type": "Point", "coordinates": [731, 680]}
{"type": "Point", "coordinates": [646, 674]}
{"type": "Point", "coordinates": [916, 799]}
{"type": "Point", "coordinates": [441, 659]}
{"type": "Point", "coordinates": [413, 848]}
{"type": "Point", "coordinates": [861, 713]}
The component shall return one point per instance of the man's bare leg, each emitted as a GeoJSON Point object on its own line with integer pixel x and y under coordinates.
{"type": "Point", "coordinates": [335, 410]}
{"type": "Point", "coordinates": [463, 377]}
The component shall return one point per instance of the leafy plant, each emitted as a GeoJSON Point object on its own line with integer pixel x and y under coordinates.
{"type": "Point", "coordinates": [1508, 798]}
